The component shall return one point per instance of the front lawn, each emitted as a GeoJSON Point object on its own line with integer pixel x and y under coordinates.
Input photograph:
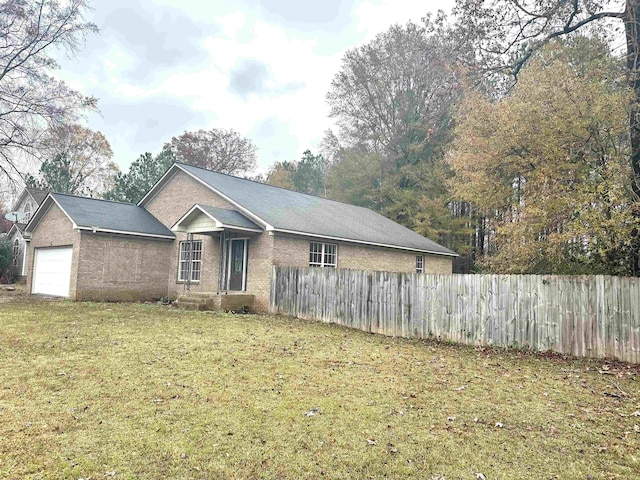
{"type": "Point", "coordinates": [142, 391]}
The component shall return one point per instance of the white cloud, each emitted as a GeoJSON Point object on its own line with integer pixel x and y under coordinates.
{"type": "Point", "coordinates": [295, 67]}
{"type": "Point", "coordinates": [231, 23]}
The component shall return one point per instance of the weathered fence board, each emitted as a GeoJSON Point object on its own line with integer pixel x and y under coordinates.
{"type": "Point", "coordinates": [586, 316]}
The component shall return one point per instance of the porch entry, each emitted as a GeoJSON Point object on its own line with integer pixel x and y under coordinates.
{"type": "Point", "coordinates": [228, 227]}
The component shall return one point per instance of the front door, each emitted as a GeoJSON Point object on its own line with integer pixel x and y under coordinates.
{"type": "Point", "coordinates": [237, 268]}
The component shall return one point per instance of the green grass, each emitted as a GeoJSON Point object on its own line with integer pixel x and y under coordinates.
{"type": "Point", "coordinates": [146, 392]}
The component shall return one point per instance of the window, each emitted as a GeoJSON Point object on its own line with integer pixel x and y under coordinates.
{"type": "Point", "coordinates": [419, 263]}
{"type": "Point", "coordinates": [27, 212]}
{"type": "Point", "coordinates": [16, 251]}
{"type": "Point", "coordinates": [191, 256]}
{"type": "Point", "coordinates": [323, 255]}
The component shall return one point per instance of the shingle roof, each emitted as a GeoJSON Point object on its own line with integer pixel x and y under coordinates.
{"type": "Point", "coordinates": [290, 211]}
{"type": "Point", "coordinates": [232, 218]}
{"type": "Point", "coordinates": [37, 194]}
{"type": "Point", "coordinates": [104, 215]}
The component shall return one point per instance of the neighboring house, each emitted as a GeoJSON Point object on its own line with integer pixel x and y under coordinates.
{"type": "Point", "coordinates": [27, 204]}
{"type": "Point", "coordinates": [210, 233]}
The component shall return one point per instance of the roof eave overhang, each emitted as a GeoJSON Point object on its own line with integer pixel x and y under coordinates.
{"type": "Point", "coordinates": [362, 242]}
{"type": "Point", "coordinates": [220, 226]}
{"type": "Point", "coordinates": [224, 226]}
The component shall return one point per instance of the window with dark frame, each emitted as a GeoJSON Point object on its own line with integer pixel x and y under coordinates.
{"type": "Point", "coordinates": [16, 252]}
{"type": "Point", "coordinates": [196, 260]}
{"type": "Point", "coordinates": [419, 263]}
{"type": "Point", "coordinates": [323, 255]}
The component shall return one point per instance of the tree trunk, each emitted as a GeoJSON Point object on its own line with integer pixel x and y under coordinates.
{"type": "Point", "coordinates": [632, 31]}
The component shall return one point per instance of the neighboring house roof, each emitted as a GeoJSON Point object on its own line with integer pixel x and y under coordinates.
{"type": "Point", "coordinates": [17, 227]}
{"type": "Point", "coordinates": [280, 210]}
{"type": "Point", "coordinates": [36, 195]}
{"type": "Point", "coordinates": [103, 216]}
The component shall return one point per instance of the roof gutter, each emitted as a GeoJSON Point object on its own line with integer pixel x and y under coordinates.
{"type": "Point", "coordinates": [125, 232]}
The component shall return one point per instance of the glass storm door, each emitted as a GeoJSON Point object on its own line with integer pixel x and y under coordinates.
{"type": "Point", "coordinates": [237, 268]}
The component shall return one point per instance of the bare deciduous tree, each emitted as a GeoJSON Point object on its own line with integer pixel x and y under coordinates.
{"type": "Point", "coordinates": [31, 99]}
{"type": "Point", "coordinates": [224, 151]}
{"type": "Point", "coordinates": [393, 95]}
{"type": "Point", "coordinates": [78, 161]}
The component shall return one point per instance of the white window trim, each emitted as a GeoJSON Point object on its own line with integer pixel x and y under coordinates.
{"type": "Point", "coordinates": [420, 269]}
{"type": "Point", "coordinates": [322, 262]}
{"type": "Point", "coordinates": [180, 261]}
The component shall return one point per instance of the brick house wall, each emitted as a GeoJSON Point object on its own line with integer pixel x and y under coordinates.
{"type": "Point", "coordinates": [122, 267]}
{"type": "Point", "coordinates": [294, 251]}
{"type": "Point", "coordinates": [259, 270]}
{"type": "Point", "coordinates": [54, 230]}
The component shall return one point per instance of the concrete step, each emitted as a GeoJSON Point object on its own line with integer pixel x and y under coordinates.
{"type": "Point", "coordinates": [196, 301]}
{"type": "Point", "coordinates": [237, 302]}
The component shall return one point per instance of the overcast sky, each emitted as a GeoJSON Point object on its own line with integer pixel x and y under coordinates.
{"type": "Point", "coordinates": [260, 67]}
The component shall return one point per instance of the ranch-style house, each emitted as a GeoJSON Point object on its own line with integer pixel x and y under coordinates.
{"type": "Point", "coordinates": [212, 234]}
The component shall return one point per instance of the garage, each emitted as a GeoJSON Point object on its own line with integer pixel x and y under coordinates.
{"type": "Point", "coordinates": [52, 271]}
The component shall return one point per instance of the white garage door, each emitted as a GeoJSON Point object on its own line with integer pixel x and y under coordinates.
{"type": "Point", "coordinates": [52, 271]}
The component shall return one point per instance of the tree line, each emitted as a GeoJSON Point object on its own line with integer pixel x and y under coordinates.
{"type": "Point", "coordinates": [508, 131]}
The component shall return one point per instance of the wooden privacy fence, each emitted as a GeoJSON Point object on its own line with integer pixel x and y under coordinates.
{"type": "Point", "coordinates": [586, 316]}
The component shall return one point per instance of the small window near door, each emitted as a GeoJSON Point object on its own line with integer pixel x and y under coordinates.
{"type": "Point", "coordinates": [419, 263]}
{"type": "Point", "coordinates": [16, 252]}
{"type": "Point", "coordinates": [191, 257]}
{"type": "Point", "coordinates": [323, 255]}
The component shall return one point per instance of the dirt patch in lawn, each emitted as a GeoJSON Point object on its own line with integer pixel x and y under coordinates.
{"type": "Point", "coordinates": [144, 391]}
{"type": "Point", "coordinates": [11, 292]}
